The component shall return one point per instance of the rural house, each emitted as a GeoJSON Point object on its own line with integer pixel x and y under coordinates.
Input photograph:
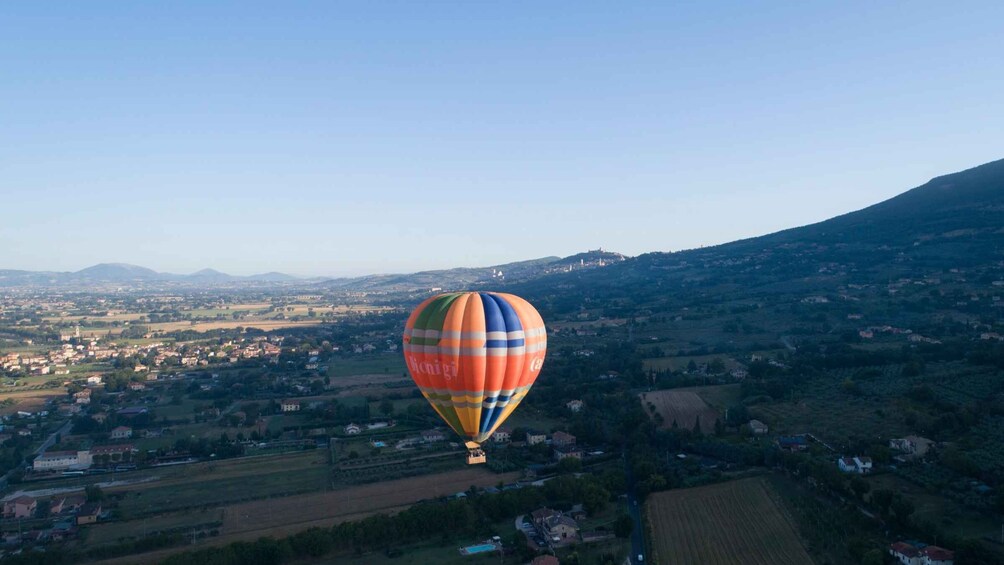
{"type": "Point", "coordinates": [290, 405]}
{"type": "Point", "coordinates": [534, 437]}
{"type": "Point", "coordinates": [352, 429]}
{"type": "Point", "coordinates": [914, 553]}
{"type": "Point", "coordinates": [859, 465]}
{"type": "Point", "coordinates": [121, 432]}
{"type": "Point", "coordinates": [574, 405]}
{"type": "Point", "coordinates": [562, 439]}
{"type": "Point", "coordinates": [502, 435]}
{"type": "Point", "coordinates": [88, 513]}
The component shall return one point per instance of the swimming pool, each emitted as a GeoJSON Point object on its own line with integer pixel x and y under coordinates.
{"type": "Point", "coordinates": [379, 444]}
{"type": "Point", "coordinates": [483, 548]}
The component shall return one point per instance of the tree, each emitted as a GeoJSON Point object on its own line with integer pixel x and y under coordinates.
{"type": "Point", "coordinates": [860, 486]}
{"type": "Point", "coordinates": [903, 508]}
{"type": "Point", "coordinates": [386, 407]}
{"type": "Point", "coordinates": [623, 526]}
{"type": "Point", "coordinates": [882, 499]}
{"type": "Point", "coordinates": [94, 493]}
{"type": "Point", "coordinates": [873, 557]}
{"type": "Point", "coordinates": [569, 465]}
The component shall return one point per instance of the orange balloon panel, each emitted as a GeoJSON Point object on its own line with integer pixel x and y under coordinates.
{"type": "Point", "coordinates": [474, 356]}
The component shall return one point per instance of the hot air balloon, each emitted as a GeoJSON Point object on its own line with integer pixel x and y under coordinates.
{"type": "Point", "coordinates": [474, 356]}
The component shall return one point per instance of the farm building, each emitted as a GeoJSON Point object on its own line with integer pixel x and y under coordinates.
{"type": "Point", "coordinates": [757, 427]}
{"type": "Point", "coordinates": [564, 452]}
{"type": "Point", "coordinates": [792, 443]}
{"type": "Point", "coordinates": [430, 436]}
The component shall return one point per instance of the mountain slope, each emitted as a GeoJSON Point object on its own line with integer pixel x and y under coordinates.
{"type": "Point", "coordinates": [954, 221]}
{"type": "Point", "coordinates": [495, 276]}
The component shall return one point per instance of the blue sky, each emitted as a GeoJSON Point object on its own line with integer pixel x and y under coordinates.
{"type": "Point", "coordinates": [346, 138]}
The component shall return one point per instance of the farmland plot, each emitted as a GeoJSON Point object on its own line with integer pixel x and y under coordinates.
{"type": "Point", "coordinates": [681, 406]}
{"type": "Point", "coordinates": [724, 524]}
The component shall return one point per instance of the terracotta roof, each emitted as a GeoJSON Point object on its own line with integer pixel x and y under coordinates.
{"type": "Point", "coordinates": [904, 549]}
{"type": "Point", "coordinates": [938, 553]}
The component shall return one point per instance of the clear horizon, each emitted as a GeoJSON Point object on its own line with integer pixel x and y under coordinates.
{"type": "Point", "coordinates": [340, 140]}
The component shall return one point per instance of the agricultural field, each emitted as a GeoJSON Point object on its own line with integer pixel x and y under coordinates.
{"type": "Point", "coordinates": [292, 513]}
{"type": "Point", "coordinates": [264, 325]}
{"type": "Point", "coordinates": [683, 406]}
{"type": "Point", "coordinates": [719, 397]}
{"type": "Point", "coordinates": [375, 364]}
{"type": "Point", "coordinates": [736, 522]}
{"type": "Point", "coordinates": [680, 363]}
{"type": "Point", "coordinates": [29, 400]}
{"type": "Point", "coordinates": [278, 517]}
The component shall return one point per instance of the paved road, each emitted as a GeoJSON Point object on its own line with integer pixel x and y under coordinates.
{"type": "Point", "coordinates": [62, 431]}
{"type": "Point", "coordinates": [634, 510]}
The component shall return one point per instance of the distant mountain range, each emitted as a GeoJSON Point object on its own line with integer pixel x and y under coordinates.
{"type": "Point", "coordinates": [954, 221]}
{"type": "Point", "coordinates": [125, 274]}
{"type": "Point", "coordinates": [134, 275]}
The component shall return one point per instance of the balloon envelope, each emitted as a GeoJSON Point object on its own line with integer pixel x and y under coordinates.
{"type": "Point", "coordinates": [474, 356]}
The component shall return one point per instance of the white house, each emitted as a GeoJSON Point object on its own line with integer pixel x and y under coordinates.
{"type": "Point", "coordinates": [121, 432]}
{"type": "Point", "coordinates": [906, 554]}
{"type": "Point", "coordinates": [431, 436]}
{"type": "Point", "coordinates": [574, 405]}
{"type": "Point", "coordinates": [502, 435]}
{"type": "Point", "coordinates": [290, 405]}
{"type": "Point", "coordinates": [62, 460]}
{"type": "Point", "coordinates": [352, 429]}
{"type": "Point", "coordinates": [757, 427]}
{"type": "Point", "coordinates": [858, 465]}
{"type": "Point", "coordinates": [934, 555]}
{"type": "Point", "coordinates": [920, 554]}
{"type": "Point", "coordinates": [533, 438]}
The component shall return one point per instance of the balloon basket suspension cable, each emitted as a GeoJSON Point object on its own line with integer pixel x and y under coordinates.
{"type": "Point", "coordinates": [475, 454]}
